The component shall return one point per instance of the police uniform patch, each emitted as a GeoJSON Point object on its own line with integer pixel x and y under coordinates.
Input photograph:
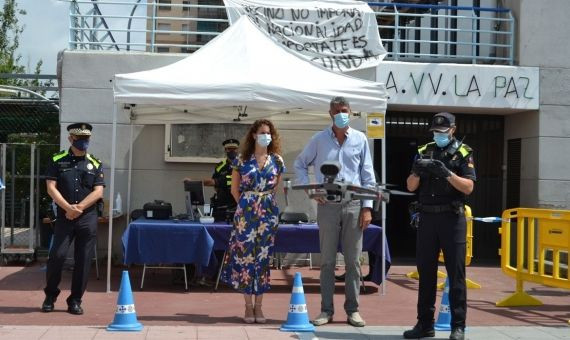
{"type": "Point", "coordinates": [89, 166]}
{"type": "Point", "coordinates": [470, 162]}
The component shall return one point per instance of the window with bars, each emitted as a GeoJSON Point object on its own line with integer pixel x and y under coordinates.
{"type": "Point", "coordinates": [163, 7]}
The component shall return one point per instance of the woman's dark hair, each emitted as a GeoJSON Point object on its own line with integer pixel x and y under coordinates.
{"type": "Point", "coordinates": [247, 145]}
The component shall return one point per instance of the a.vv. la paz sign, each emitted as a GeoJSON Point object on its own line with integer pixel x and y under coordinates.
{"type": "Point", "coordinates": [461, 86]}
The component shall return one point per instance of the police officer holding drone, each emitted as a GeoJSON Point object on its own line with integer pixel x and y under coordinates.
{"type": "Point", "coordinates": [444, 174]}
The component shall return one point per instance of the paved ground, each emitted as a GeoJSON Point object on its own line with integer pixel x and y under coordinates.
{"type": "Point", "coordinates": [168, 312]}
{"type": "Point", "coordinates": [269, 332]}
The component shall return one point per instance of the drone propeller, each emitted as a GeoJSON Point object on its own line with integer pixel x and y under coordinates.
{"type": "Point", "coordinates": [386, 185]}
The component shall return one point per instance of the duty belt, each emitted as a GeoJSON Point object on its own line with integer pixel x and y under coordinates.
{"type": "Point", "coordinates": [440, 208]}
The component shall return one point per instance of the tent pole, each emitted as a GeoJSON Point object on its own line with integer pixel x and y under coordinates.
{"type": "Point", "coordinates": [384, 217]}
{"type": "Point", "coordinates": [111, 196]}
{"type": "Point", "coordinates": [129, 180]}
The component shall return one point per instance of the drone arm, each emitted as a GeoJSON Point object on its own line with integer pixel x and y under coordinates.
{"type": "Point", "coordinates": [373, 197]}
{"type": "Point", "coordinates": [307, 186]}
{"type": "Point", "coordinates": [361, 190]}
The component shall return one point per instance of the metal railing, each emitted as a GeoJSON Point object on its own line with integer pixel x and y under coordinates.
{"type": "Point", "coordinates": [23, 202]}
{"type": "Point", "coordinates": [410, 32]}
{"type": "Point", "coordinates": [415, 32]}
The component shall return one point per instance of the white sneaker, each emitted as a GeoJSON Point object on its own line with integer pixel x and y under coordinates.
{"type": "Point", "coordinates": [356, 320]}
{"type": "Point", "coordinates": [322, 319]}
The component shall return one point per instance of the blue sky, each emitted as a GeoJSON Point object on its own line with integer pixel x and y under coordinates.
{"type": "Point", "coordinates": [46, 29]}
{"type": "Point", "coordinates": [45, 33]}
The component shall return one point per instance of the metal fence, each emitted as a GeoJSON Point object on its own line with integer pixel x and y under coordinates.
{"type": "Point", "coordinates": [24, 201]}
{"type": "Point", "coordinates": [29, 135]}
{"type": "Point", "coordinates": [410, 32]}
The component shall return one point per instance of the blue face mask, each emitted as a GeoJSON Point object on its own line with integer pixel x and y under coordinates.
{"type": "Point", "coordinates": [442, 139]}
{"type": "Point", "coordinates": [263, 139]}
{"type": "Point", "coordinates": [341, 120]}
{"type": "Point", "coordinates": [81, 144]}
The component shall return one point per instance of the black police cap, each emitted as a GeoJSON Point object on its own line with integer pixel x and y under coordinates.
{"type": "Point", "coordinates": [442, 122]}
{"type": "Point", "coordinates": [80, 129]}
{"type": "Point", "coordinates": [230, 143]}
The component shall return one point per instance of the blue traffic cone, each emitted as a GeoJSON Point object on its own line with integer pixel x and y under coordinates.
{"type": "Point", "coordinates": [444, 317]}
{"type": "Point", "coordinates": [125, 315]}
{"type": "Point", "coordinates": [297, 318]}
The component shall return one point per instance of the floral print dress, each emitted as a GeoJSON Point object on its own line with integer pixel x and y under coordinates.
{"type": "Point", "coordinates": [246, 264]}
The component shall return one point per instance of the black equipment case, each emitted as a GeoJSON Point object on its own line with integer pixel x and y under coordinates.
{"type": "Point", "coordinates": [157, 210]}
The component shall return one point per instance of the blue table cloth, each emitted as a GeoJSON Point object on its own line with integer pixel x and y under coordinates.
{"type": "Point", "coordinates": [304, 238]}
{"type": "Point", "coordinates": [166, 241]}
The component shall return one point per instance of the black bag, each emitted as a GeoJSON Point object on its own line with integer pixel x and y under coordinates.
{"type": "Point", "coordinates": [157, 210]}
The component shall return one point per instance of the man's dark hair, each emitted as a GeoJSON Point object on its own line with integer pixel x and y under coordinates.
{"type": "Point", "coordinates": [339, 101]}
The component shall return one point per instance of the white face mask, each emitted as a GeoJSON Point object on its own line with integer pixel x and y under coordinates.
{"type": "Point", "coordinates": [263, 139]}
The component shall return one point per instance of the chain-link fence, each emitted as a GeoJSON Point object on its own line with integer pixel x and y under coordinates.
{"type": "Point", "coordinates": [29, 136]}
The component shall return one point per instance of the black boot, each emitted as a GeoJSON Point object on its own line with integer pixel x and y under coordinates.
{"type": "Point", "coordinates": [47, 306]}
{"type": "Point", "coordinates": [457, 333]}
{"type": "Point", "coordinates": [420, 331]}
{"type": "Point", "coordinates": [74, 307]}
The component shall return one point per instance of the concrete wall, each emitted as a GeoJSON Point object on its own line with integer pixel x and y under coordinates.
{"type": "Point", "coordinates": [541, 36]}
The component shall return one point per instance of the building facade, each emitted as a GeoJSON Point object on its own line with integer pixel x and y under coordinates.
{"type": "Point", "coordinates": [514, 116]}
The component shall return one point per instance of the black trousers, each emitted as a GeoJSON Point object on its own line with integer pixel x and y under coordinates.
{"type": "Point", "coordinates": [84, 231]}
{"type": "Point", "coordinates": [445, 231]}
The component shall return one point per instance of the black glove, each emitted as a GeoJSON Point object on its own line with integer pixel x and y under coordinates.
{"type": "Point", "coordinates": [438, 169]}
{"type": "Point", "coordinates": [419, 169]}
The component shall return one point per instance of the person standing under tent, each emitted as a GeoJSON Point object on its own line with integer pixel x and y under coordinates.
{"type": "Point", "coordinates": [223, 203]}
{"type": "Point", "coordinates": [221, 180]}
{"type": "Point", "coordinates": [256, 174]}
{"type": "Point", "coordinates": [345, 220]}
{"type": "Point", "coordinates": [443, 187]}
{"type": "Point", "coordinates": [75, 182]}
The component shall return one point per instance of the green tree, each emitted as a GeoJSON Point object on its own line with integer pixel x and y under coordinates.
{"type": "Point", "coordinates": [10, 31]}
{"type": "Point", "coordinates": [14, 118]}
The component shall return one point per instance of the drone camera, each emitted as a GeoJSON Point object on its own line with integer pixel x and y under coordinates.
{"type": "Point", "coordinates": [330, 170]}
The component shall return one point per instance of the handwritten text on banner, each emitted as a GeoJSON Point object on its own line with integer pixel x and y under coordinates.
{"type": "Point", "coordinates": [338, 35]}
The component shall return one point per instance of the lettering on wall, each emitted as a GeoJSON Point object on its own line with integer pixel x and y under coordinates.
{"type": "Point", "coordinates": [460, 85]}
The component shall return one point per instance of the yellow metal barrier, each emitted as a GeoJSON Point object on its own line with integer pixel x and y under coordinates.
{"type": "Point", "coordinates": [540, 238]}
{"type": "Point", "coordinates": [468, 254]}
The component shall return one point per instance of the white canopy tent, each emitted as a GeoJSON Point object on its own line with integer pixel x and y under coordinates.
{"type": "Point", "coordinates": [242, 67]}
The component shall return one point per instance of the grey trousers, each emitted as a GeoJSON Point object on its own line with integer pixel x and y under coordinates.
{"type": "Point", "coordinates": [340, 220]}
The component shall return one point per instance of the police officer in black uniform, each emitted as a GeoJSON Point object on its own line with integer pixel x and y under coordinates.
{"type": "Point", "coordinates": [75, 182]}
{"type": "Point", "coordinates": [223, 204]}
{"type": "Point", "coordinates": [444, 173]}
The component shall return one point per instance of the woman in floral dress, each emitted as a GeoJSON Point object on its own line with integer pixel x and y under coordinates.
{"type": "Point", "coordinates": [255, 176]}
